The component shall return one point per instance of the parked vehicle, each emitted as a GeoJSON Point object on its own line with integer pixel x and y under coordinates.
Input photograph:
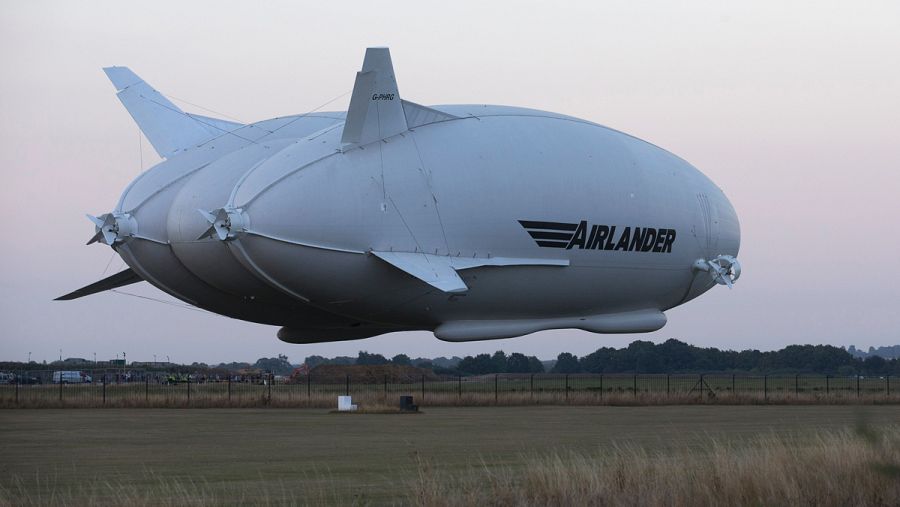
{"type": "Point", "coordinates": [71, 377]}
{"type": "Point", "coordinates": [27, 379]}
{"type": "Point", "coordinates": [7, 378]}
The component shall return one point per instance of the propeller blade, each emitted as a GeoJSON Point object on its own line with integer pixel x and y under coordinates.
{"type": "Point", "coordinates": [728, 282]}
{"type": "Point", "coordinates": [109, 235]}
{"type": "Point", "coordinates": [95, 238]}
{"type": "Point", "coordinates": [208, 216]}
{"type": "Point", "coordinates": [208, 233]}
{"type": "Point", "coordinates": [97, 221]}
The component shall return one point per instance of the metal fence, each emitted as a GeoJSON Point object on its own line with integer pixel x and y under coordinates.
{"type": "Point", "coordinates": [134, 388]}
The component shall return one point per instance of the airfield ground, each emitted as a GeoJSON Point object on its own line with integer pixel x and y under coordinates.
{"type": "Point", "coordinates": [215, 456]}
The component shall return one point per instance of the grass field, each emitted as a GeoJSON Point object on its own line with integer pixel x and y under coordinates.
{"type": "Point", "coordinates": [234, 456]}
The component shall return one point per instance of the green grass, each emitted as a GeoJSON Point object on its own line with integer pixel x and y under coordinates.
{"type": "Point", "coordinates": [159, 456]}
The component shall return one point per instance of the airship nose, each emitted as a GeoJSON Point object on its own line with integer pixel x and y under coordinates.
{"type": "Point", "coordinates": [717, 224]}
{"type": "Point", "coordinates": [729, 228]}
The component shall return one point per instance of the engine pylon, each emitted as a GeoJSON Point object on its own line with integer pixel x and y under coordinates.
{"type": "Point", "coordinates": [112, 228]}
{"type": "Point", "coordinates": [724, 269]}
{"type": "Point", "coordinates": [225, 223]}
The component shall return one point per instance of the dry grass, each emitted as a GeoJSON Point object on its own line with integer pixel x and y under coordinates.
{"type": "Point", "coordinates": [669, 455]}
{"type": "Point", "coordinates": [846, 468]}
{"type": "Point", "coordinates": [839, 469]}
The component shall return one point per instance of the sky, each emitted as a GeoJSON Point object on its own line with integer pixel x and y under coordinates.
{"type": "Point", "coordinates": [792, 108]}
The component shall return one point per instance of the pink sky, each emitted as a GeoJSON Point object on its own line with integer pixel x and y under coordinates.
{"type": "Point", "coordinates": [792, 108]}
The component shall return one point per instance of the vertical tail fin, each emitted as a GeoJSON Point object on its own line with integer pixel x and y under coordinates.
{"type": "Point", "coordinates": [168, 128]}
{"type": "Point", "coordinates": [375, 109]}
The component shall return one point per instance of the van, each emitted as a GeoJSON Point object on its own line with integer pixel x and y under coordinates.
{"type": "Point", "coordinates": [69, 377]}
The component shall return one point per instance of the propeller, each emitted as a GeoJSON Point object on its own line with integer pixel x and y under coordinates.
{"type": "Point", "coordinates": [225, 223]}
{"type": "Point", "coordinates": [724, 269]}
{"type": "Point", "coordinates": [112, 228]}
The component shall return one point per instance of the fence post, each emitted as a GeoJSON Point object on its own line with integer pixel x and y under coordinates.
{"type": "Point", "coordinates": [146, 388]}
{"type": "Point", "coordinates": [17, 389]}
{"type": "Point", "coordinates": [385, 387]}
{"type": "Point", "coordinates": [701, 387]}
{"type": "Point", "coordinates": [796, 385]}
{"type": "Point", "coordinates": [857, 385]}
{"type": "Point", "coordinates": [496, 386]}
{"type": "Point", "coordinates": [567, 386]}
{"type": "Point", "coordinates": [601, 386]}
{"type": "Point", "coordinates": [308, 382]}
{"type": "Point", "coordinates": [531, 386]}
{"type": "Point", "coordinates": [347, 390]}
{"type": "Point", "coordinates": [189, 390]}
{"type": "Point", "coordinates": [887, 384]}
{"type": "Point", "coordinates": [271, 379]}
{"type": "Point", "coordinates": [104, 389]}
{"type": "Point", "coordinates": [459, 386]}
{"type": "Point", "coordinates": [229, 387]}
{"type": "Point", "coordinates": [765, 388]}
{"type": "Point", "coordinates": [60, 385]}
{"type": "Point", "coordinates": [634, 386]}
{"type": "Point", "coordinates": [423, 387]}
{"type": "Point", "coordinates": [667, 384]}
{"type": "Point", "coordinates": [733, 390]}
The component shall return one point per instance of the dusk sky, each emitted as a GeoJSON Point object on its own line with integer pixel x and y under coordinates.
{"type": "Point", "coordinates": [792, 108]}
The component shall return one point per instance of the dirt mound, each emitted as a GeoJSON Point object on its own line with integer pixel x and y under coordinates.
{"type": "Point", "coordinates": [369, 374]}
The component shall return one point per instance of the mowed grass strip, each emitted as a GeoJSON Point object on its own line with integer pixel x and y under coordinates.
{"type": "Point", "coordinates": [312, 456]}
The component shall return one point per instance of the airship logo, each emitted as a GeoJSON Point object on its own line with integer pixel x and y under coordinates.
{"type": "Point", "coordinates": [599, 237]}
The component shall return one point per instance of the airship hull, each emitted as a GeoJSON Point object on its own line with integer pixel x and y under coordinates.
{"type": "Point", "coordinates": [462, 189]}
{"type": "Point", "coordinates": [472, 221]}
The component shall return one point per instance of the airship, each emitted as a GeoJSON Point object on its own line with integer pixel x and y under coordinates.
{"type": "Point", "coordinates": [474, 222]}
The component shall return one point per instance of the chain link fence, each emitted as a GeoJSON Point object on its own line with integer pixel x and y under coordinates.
{"type": "Point", "coordinates": [137, 388]}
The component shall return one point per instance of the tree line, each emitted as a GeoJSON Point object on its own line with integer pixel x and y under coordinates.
{"type": "Point", "coordinates": [644, 357]}
{"type": "Point", "coordinates": [673, 356]}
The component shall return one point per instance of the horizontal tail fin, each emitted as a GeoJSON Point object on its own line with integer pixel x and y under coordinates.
{"type": "Point", "coordinates": [168, 128]}
{"type": "Point", "coordinates": [115, 281]}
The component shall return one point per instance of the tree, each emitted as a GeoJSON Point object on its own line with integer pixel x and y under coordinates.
{"type": "Point", "coordinates": [535, 365]}
{"type": "Point", "coordinates": [364, 358]}
{"type": "Point", "coordinates": [233, 366]}
{"type": "Point", "coordinates": [401, 359]}
{"type": "Point", "coordinates": [517, 363]}
{"type": "Point", "coordinates": [477, 365]}
{"type": "Point", "coordinates": [277, 365]}
{"type": "Point", "coordinates": [644, 357]}
{"type": "Point", "coordinates": [446, 363]}
{"type": "Point", "coordinates": [875, 365]}
{"type": "Point", "coordinates": [313, 361]}
{"type": "Point", "coordinates": [500, 362]}
{"type": "Point", "coordinates": [566, 363]}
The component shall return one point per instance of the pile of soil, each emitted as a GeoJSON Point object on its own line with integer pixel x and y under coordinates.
{"type": "Point", "coordinates": [369, 374]}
